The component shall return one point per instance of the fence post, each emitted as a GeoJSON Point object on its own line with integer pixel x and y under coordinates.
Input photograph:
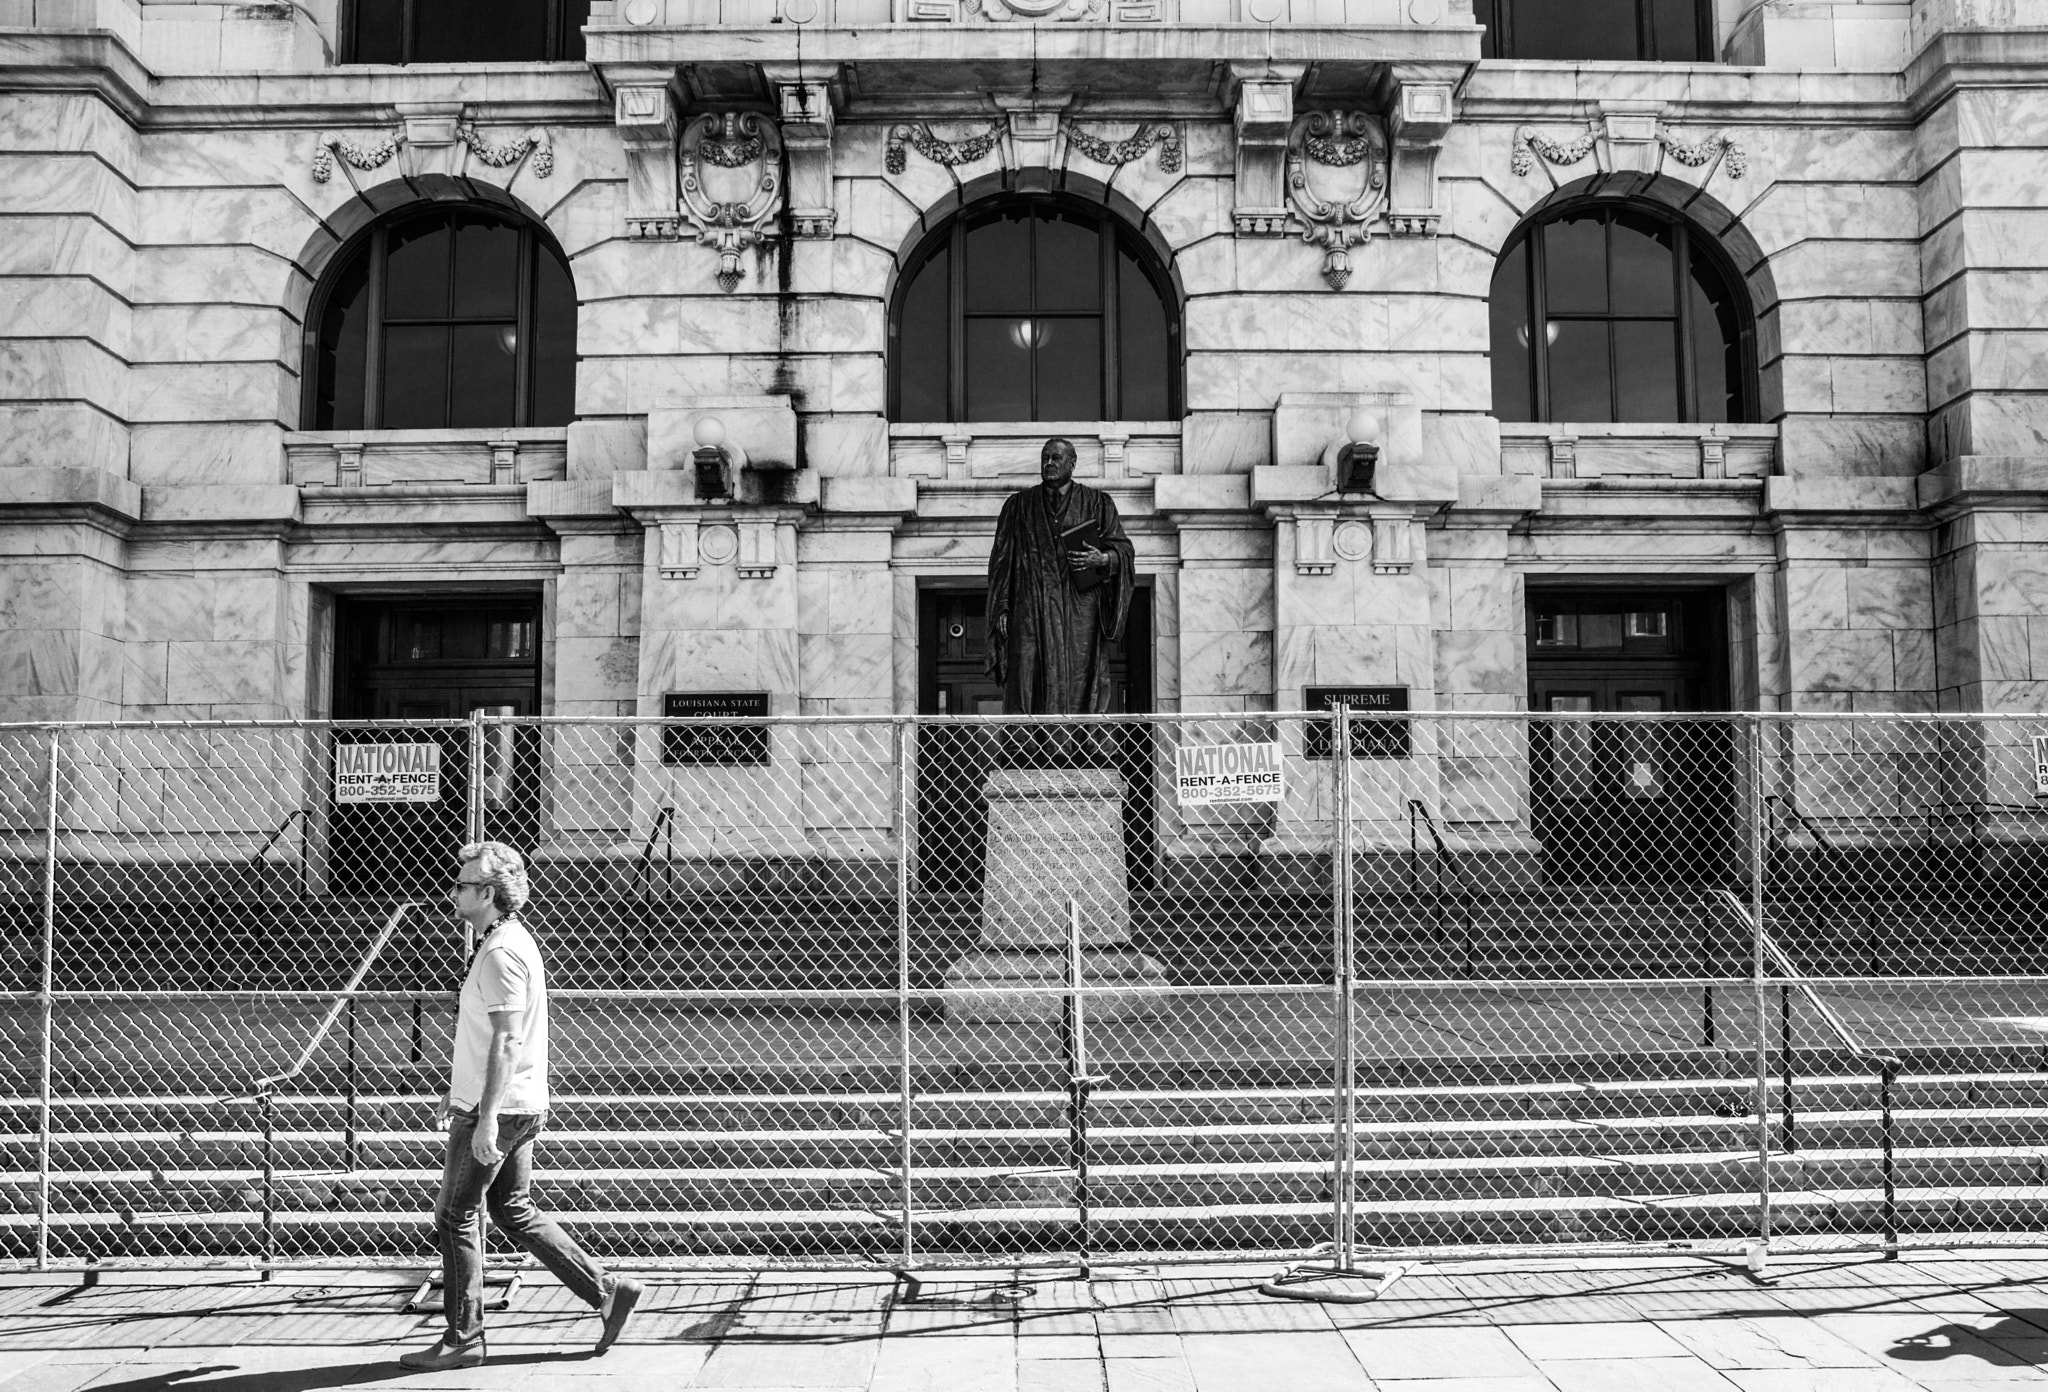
{"type": "Point", "coordinates": [1343, 1212]}
{"type": "Point", "coordinates": [906, 732]}
{"type": "Point", "coordinates": [473, 820]}
{"type": "Point", "coordinates": [47, 1001]}
{"type": "Point", "coordinates": [1756, 968]}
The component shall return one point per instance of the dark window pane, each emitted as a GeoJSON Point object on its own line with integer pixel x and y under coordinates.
{"type": "Point", "coordinates": [1583, 30]}
{"type": "Point", "coordinates": [344, 340]}
{"type": "Point", "coordinates": [486, 269]}
{"type": "Point", "coordinates": [1069, 369]}
{"type": "Point", "coordinates": [999, 369]}
{"type": "Point", "coordinates": [554, 341]}
{"type": "Point", "coordinates": [1646, 370]}
{"type": "Point", "coordinates": [416, 272]}
{"type": "Point", "coordinates": [1677, 31]}
{"type": "Point", "coordinates": [1716, 352]}
{"type": "Point", "coordinates": [1579, 384]}
{"type": "Point", "coordinates": [486, 358]}
{"type": "Point", "coordinates": [1575, 265]}
{"type": "Point", "coordinates": [1641, 270]}
{"type": "Point", "coordinates": [480, 31]}
{"type": "Point", "coordinates": [1507, 308]}
{"type": "Point", "coordinates": [415, 377]}
{"type": "Point", "coordinates": [923, 354]}
{"type": "Point", "coordinates": [999, 265]}
{"type": "Point", "coordinates": [379, 32]}
{"type": "Point", "coordinates": [1069, 260]}
{"type": "Point", "coordinates": [1144, 371]}
{"type": "Point", "coordinates": [1487, 12]}
{"type": "Point", "coordinates": [576, 14]}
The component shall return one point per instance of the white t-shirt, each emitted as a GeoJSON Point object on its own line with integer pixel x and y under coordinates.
{"type": "Point", "coordinates": [506, 975]}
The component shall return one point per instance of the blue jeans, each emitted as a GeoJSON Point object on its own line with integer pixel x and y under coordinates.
{"type": "Point", "coordinates": [466, 1187]}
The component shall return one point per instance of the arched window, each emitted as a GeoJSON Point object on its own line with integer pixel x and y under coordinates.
{"type": "Point", "coordinates": [464, 31]}
{"type": "Point", "coordinates": [1033, 307]}
{"type": "Point", "coordinates": [1618, 313]}
{"type": "Point", "coordinates": [1598, 31]}
{"type": "Point", "coordinates": [444, 317]}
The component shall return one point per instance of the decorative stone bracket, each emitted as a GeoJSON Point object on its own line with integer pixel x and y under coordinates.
{"type": "Point", "coordinates": [1389, 539]}
{"type": "Point", "coordinates": [747, 544]}
{"type": "Point", "coordinates": [646, 120]}
{"type": "Point", "coordinates": [1420, 120]}
{"type": "Point", "coordinates": [807, 126]}
{"type": "Point", "coordinates": [1263, 118]}
{"type": "Point", "coordinates": [730, 182]}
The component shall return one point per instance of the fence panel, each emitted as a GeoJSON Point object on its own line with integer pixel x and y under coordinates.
{"type": "Point", "coordinates": [817, 1002]}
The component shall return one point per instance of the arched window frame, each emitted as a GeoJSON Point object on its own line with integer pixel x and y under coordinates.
{"type": "Point", "coordinates": [373, 242]}
{"type": "Point", "coordinates": [1690, 246]}
{"type": "Point", "coordinates": [1661, 37]}
{"type": "Point", "coordinates": [1115, 234]}
{"type": "Point", "coordinates": [366, 35]}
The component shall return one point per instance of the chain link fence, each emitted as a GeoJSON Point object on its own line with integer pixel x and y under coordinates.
{"type": "Point", "coordinates": [924, 991]}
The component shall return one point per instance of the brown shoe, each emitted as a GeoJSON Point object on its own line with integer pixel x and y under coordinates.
{"type": "Point", "coordinates": [618, 1308]}
{"type": "Point", "coordinates": [445, 1354]}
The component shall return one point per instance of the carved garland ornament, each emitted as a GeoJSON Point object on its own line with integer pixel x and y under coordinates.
{"type": "Point", "coordinates": [949, 153]}
{"type": "Point", "coordinates": [1336, 183]}
{"type": "Point", "coordinates": [363, 157]}
{"type": "Point", "coordinates": [1058, 11]}
{"type": "Point", "coordinates": [1714, 148]}
{"type": "Point", "coordinates": [1529, 143]}
{"type": "Point", "coordinates": [731, 184]}
{"type": "Point", "coordinates": [535, 142]}
{"type": "Point", "coordinates": [1166, 136]}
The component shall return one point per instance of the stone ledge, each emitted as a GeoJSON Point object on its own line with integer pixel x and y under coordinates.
{"type": "Point", "coordinates": [1973, 475]}
{"type": "Point", "coordinates": [70, 488]}
{"type": "Point", "coordinates": [1840, 495]}
{"type": "Point", "coordinates": [868, 495]}
{"type": "Point", "coordinates": [570, 498]}
{"type": "Point", "coordinates": [221, 502]}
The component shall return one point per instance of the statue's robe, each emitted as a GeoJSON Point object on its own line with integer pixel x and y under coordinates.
{"type": "Point", "coordinates": [1056, 660]}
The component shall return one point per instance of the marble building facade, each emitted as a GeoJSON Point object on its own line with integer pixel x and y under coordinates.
{"type": "Point", "coordinates": [739, 189]}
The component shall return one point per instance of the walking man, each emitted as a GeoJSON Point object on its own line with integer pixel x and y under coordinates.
{"type": "Point", "coordinates": [496, 1104]}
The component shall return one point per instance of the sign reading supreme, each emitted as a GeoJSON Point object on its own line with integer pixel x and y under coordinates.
{"type": "Point", "coordinates": [1204, 774]}
{"type": "Point", "coordinates": [387, 773]}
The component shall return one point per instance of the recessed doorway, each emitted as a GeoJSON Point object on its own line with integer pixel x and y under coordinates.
{"type": "Point", "coordinates": [436, 658]}
{"type": "Point", "coordinates": [1620, 800]}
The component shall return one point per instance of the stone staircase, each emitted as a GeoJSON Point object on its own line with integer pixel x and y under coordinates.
{"type": "Point", "coordinates": [745, 1129]}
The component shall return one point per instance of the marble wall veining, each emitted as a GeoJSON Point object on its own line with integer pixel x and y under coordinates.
{"type": "Point", "coordinates": [181, 176]}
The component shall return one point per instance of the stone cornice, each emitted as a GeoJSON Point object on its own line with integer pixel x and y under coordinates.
{"type": "Point", "coordinates": [93, 61]}
{"type": "Point", "coordinates": [1688, 93]}
{"type": "Point", "coordinates": [1957, 59]}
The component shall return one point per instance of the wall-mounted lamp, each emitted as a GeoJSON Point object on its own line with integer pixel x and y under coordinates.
{"type": "Point", "coordinates": [717, 463]}
{"type": "Point", "coordinates": [1353, 456]}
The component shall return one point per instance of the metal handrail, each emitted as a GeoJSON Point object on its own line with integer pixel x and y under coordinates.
{"type": "Point", "coordinates": [341, 1003]}
{"type": "Point", "coordinates": [1419, 813]}
{"type": "Point", "coordinates": [1777, 803]}
{"type": "Point", "coordinates": [1887, 1066]}
{"type": "Point", "coordinates": [643, 869]}
{"type": "Point", "coordinates": [300, 815]}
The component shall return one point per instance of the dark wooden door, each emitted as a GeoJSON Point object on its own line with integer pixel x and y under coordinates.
{"type": "Point", "coordinates": [1621, 796]}
{"type": "Point", "coordinates": [954, 760]}
{"type": "Point", "coordinates": [436, 661]}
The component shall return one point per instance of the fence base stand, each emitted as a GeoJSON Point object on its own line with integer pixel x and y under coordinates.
{"type": "Point", "coordinates": [1756, 1263]}
{"type": "Point", "coordinates": [427, 1298]}
{"type": "Point", "coordinates": [89, 1279]}
{"type": "Point", "coordinates": [1295, 1283]}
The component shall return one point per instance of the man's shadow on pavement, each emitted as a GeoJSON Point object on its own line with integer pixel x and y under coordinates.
{"type": "Point", "coordinates": [1988, 1345]}
{"type": "Point", "coordinates": [204, 1377]}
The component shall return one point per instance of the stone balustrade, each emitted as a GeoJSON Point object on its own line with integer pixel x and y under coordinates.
{"type": "Point", "coordinates": [1591, 451]}
{"type": "Point", "coordinates": [376, 458]}
{"type": "Point", "coordinates": [1006, 453]}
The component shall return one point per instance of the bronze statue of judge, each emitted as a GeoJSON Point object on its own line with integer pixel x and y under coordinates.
{"type": "Point", "coordinates": [1059, 591]}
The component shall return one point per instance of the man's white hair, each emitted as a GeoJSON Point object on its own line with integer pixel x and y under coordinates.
{"type": "Point", "coordinates": [504, 870]}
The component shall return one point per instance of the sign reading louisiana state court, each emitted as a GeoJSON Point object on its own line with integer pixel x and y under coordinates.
{"type": "Point", "coordinates": [1205, 774]}
{"type": "Point", "coordinates": [387, 773]}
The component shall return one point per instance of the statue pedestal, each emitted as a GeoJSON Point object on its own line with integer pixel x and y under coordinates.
{"type": "Point", "coordinates": [1052, 834]}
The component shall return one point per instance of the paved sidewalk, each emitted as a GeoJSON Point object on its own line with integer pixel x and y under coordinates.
{"type": "Point", "coordinates": [1845, 1325]}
